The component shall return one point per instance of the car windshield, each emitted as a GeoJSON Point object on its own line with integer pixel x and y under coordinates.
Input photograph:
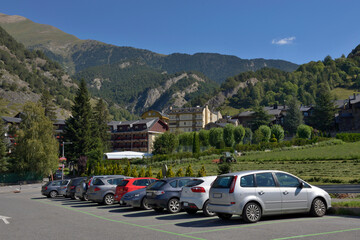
{"type": "Point", "coordinates": [223, 182]}
{"type": "Point", "coordinates": [157, 184]}
{"type": "Point", "coordinates": [194, 182]}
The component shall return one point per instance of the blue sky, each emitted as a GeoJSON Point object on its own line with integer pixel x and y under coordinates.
{"type": "Point", "coordinates": [298, 31]}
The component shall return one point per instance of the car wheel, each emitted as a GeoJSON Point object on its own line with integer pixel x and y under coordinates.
{"type": "Point", "coordinates": [174, 205]}
{"type": "Point", "coordinates": [158, 210]}
{"type": "Point", "coordinates": [108, 199]}
{"type": "Point", "coordinates": [252, 212]}
{"type": "Point", "coordinates": [53, 194]}
{"type": "Point", "coordinates": [318, 208]}
{"type": "Point", "coordinates": [84, 197]}
{"type": "Point", "coordinates": [144, 204]}
{"type": "Point", "coordinates": [206, 210]}
{"type": "Point", "coordinates": [191, 211]}
{"type": "Point", "coordinates": [224, 216]}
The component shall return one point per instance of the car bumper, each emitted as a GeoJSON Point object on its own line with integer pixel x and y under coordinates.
{"type": "Point", "coordinates": [230, 209]}
{"type": "Point", "coordinates": [187, 201]}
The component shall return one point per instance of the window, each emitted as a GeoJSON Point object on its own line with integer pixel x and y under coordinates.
{"type": "Point", "coordinates": [286, 180]}
{"type": "Point", "coordinates": [55, 184]}
{"type": "Point", "coordinates": [247, 181]}
{"type": "Point", "coordinates": [123, 183]}
{"type": "Point", "coordinates": [223, 182]}
{"type": "Point", "coordinates": [265, 180]}
{"type": "Point", "coordinates": [173, 184]}
{"type": "Point", "coordinates": [117, 181]}
{"type": "Point", "coordinates": [157, 185]}
{"type": "Point", "coordinates": [98, 182]}
{"type": "Point", "coordinates": [194, 182]}
{"type": "Point", "coordinates": [183, 182]}
{"type": "Point", "coordinates": [141, 182]}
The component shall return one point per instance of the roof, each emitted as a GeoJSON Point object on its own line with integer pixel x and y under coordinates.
{"type": "Point", "coordinates": [126, 154]}
{"type": "Point", "coordinates": [355, 99]}
{"type": "Point", "coordinates": [11, 119]}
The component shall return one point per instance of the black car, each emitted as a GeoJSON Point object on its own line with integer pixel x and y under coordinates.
{"type": "Point", "coordinates": [165, 193]}
{"type": "Point", "coordinates": [71, 187]}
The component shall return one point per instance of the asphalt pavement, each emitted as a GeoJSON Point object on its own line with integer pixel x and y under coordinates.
{"type": "Point", "coordinates": [29, 215]}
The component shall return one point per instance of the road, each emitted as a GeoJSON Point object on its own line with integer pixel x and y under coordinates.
{"type": "Point", "coordinates": [341, 188]}
{"type": "Point", "coordinates": [32, 216]}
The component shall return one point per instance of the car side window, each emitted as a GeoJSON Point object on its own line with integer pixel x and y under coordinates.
{"type": "Point", "coordinates": [98, 182]}
{"type": "Point", "coordinates": [286, 180]}
{"type": "Point", "coordinates": [247, 181]}
{"type": "Point", "coordinates": [151, 181]}
{"type": "Point", "coordinates": [173, 184]}
{"type": "Point", "coordinates": [183, 182]}
{"type": "Point", "coordinates": [55, 184]}
{"type": "Point", "coordinates": [141, 182]}
{"type": "Point", "coordinates": [265, 180]}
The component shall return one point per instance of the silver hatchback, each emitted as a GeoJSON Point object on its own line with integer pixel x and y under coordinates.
{"type": "Point", "coordinates": [253, 194]}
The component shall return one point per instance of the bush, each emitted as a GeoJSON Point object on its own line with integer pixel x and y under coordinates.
{"type": "Point", "coordinates": [262, 134]}
{"type": "Point", "coordinates": [303, 131]}
{"type": "Point", "coordinates": [278, 132]}
{"type": "Point", "coordinates": [348, 137]}
{"type": "Point", "coordinates": [224, 168]}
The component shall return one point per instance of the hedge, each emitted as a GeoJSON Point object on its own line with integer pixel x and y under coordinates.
{"type": "Point", "coordinates": [348, 137]}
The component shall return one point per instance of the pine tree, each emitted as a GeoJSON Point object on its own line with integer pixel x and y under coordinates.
{"type": "Point", "coordinates": [228, 135]}
{"type": "Point", "coordinates": [142, 172]}
{"type": "Point", "coordinates": [189, 171]}
{"type": "Point", "coordinates": [134, 172]}
{"type": "Point", "coordinates": [170, 173]}
{"type": "Point", "coordinates": [101, 118]}
{"type": "Point", "coordinates": [78, 129]}
{"type": "Point", "coordinates": [324, 110]}
{"type": "Point", "coordinates": [149, 172]}
{"type": "Point", "coordinates": [37, 150]}
{"type": "Point", "coordinates": [127, 170]}
{"type": "Point", "coordinates": [293, 117]}
{"type": "Point", "coordinates": [47, 102]}
{"type": "Point", "coordinates": [119, 170]}
{"type": "Point", "coordinates": [260, 117]}
{"type": "Point", "coordinates": [160, 175]}
{"type": "Point", "coordinates": [196, 143]}
{"type": "Point", "coordinates": [4, 163]}
{"type": "Point", "coordinates": [179, 173]}
{"type": "Point", "coordinates": [202, 172]}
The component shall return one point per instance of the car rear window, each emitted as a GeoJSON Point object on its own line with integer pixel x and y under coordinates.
{"type": "Point", "coordinates": [194, 182]}
{"type": "Point", "coordinates": [223, 182]}
{"type": "Point", "coordinates": [65, 182]}
{"type": "Point", "coordinates": [157, 184]}
{"type": "Point", "coordinates": [123, 183]}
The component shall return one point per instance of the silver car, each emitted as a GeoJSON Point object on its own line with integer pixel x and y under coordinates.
{"type": "Point", "coordinates": [253, 194]}
{"type": "Point", "coordinates": [102, 190]}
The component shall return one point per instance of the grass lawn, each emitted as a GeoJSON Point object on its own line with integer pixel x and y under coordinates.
{"type": "Point", "coordinates": [342, 93]}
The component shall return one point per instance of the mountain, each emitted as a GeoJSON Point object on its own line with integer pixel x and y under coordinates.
{"type": "Point", "coordinates": [138, 87]}
{"type": "Point", "coordinates": [76, 55]}
{"type": "Point", "coordinates": [272, 86]}
{"type": "Point", "coordinates": [24, 74]}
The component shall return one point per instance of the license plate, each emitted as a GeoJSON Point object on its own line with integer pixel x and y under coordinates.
{"type": "Point", "coordinates": [186, 204]}
{"type": "Point", "coordinates": [217, 195]}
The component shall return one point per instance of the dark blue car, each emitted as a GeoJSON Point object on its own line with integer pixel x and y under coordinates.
{"type": "Point", "coordinates": [165, 193]}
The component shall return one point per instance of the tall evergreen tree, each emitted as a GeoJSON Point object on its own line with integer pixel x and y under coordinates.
{"type": "Point", "coordinates": [4, 164]}
{"type": "Point", "coordinates": [260, 117]}
{"type": "Point", "coordinates": [36, 150]}
{"type": "Point", "coordinates": [324, 110]}
{"type": "Point", "coordinates": [101, 118]}
{"type": "Point", "coordinates": [228, 135]}
{"type": "Point", "coordinates": [78, 129]}
{"type": "Point", "coordinates": [47, 102]}
{"type": "Point", "coordinates": [293, 116]}
{"type": "Point", "coordinates": [196, 143]}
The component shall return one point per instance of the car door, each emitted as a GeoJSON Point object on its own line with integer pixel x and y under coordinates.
{"type": "Point", "coordinates": [268, 193]}
{"type": "Point", "coordinates": [294, 197]}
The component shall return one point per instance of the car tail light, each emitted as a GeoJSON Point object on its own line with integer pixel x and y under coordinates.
{"type": "Point", "coordinates": [97, 189]}
{"type": "Point", "coordinates": [45, 188]}
{"type": "Point", "coordinates": [159, 192]}
{"type": "Point", "coordinates": [90, 182]}
{"type": "Point", "coordinates": [232, 187]}
{"type": "Point", "coordinates": [126, 189]}
{"type": "Point", "coordinates": [198, 189]}
{"type": "Point", "coordinates": [72, 187]}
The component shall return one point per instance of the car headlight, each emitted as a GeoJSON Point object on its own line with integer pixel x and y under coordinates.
{"type": "Point", "coordinates": [137, 195]}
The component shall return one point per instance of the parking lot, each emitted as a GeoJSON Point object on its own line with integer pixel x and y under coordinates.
{"type": "Point", "coordinates": [32, 216]}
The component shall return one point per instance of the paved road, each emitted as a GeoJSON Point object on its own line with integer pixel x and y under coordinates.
{"type": "Point", "coordinates": [341, 188]}
{"type": "Point", "coordinates": [34, 217]}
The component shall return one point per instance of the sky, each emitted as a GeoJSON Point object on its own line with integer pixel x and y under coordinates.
{"type": "Point", "coordinates": [294, 30]}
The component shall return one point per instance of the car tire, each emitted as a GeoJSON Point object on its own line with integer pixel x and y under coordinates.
{"type": "Point", "coordinates": [109, 199]}
{"type": "Point", "coordinates": [191, 211]}
{"type": "Point", "coordinates": [173, 205]}
{"type": "Point", "coordinates": [72, 196]}
{"type": "Point", "coordinates": [144, 204]}
{"type": "Point", "coordinates": [86, 198]}
{"type": "Point", "coordinates": [318, 208]}
{"type": "Point", "coordinates": [158, 210]}
{"type": "Point", "coordinates": [252, 212]}
{"type": "Point", "coordinates": [53, 194]}
{"type": "Point", "coordinates": [206, 210]}
{"type": "Point", "coordinates": [224, 216]}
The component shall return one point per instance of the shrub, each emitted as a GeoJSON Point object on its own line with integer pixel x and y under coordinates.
{"type": "Point", "coordinates": [262, 134]}
{"type": "Point", "coordinates": [278, 132]}
{"type": "Point", "coordinates": [303, 131]}
{"type": "Point", "coordinates": [348, 137]}
{"type": "Point", "coordinates": [224, 168]}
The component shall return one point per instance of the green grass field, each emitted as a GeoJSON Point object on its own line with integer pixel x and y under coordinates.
{"type": "Point", "coordinates": [342, 93]}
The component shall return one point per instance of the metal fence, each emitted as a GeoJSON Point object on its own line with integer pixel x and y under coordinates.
{"type": "Point", "coordinates": [16, 178]}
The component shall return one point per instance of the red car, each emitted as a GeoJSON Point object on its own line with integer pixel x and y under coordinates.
{"type": "Point", "coordinates": [128, 185]}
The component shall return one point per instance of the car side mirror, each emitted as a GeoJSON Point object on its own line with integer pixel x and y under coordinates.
{"type": "Point", "coordinates": [301, 185]}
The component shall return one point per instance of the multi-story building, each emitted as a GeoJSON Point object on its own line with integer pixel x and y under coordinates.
{"type": "Point", "coordinates": [137, 135]}
{"type": "Point", "coordinates": [191, 119]}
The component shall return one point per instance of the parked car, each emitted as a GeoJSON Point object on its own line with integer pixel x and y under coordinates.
{"type": "Point", "coordinates": [58, 175]}
{"type": "Point", "coordinates": [253, 194]}
{"type": "Point", "coordinates": [103, 190]}
{"type": "Point", "coordinates": [70, 190]}
{"type": "Point", "coordinates": [81, 189]}
{"type": "Point", "coordinates": [131, 184]}
{"type": "Point", "coordinates": [51, 189]}
{"type": "Point", "coordinates": [136, 199]}
{"type": "Point", "coordinates": [63, 187]}
{"type": "Point", "coordinates": [195, 195]}
{"type": "Point", "coordinates": [165, 193]}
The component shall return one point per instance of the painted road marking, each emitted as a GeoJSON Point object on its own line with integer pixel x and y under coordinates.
{"type": "Point", "coordinates": [318, 234]}
{"type": "Point", "coordinates": [118, 221]}
{"type": "Point", "coordinates": [258, 224]}
{"type": "Point", "coordinates": [5, 219]}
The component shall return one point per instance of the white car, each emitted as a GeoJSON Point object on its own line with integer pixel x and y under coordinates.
{"type": "Point", "coordinates": [253, 194]}
{"type": "Point", "coordinates": [195, 195]}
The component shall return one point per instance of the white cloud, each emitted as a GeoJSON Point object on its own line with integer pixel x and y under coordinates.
{"type": "Point", "coordinates": [283, 41]}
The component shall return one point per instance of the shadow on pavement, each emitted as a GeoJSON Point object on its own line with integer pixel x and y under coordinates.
{"type": "Point", "coordinates": [180, 216]}
{"type": "Point", "coordinates": [148, 213]}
